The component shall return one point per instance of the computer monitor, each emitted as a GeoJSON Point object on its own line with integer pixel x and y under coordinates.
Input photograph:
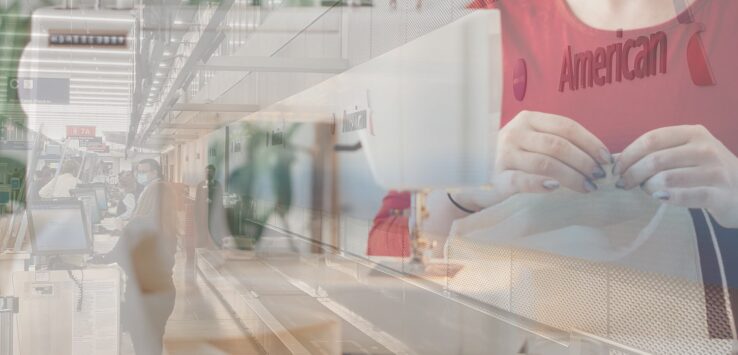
{"type": "Point", "coordinates": [4, 194]}
{"type": "Point", "coordinates": [59, 228]}
{"type": "Point", "coordinates": [89, 197]}
{"type": "Point", "coordinates": [102, 197]}
{"type": "Point", "coordinates": [91, 211]}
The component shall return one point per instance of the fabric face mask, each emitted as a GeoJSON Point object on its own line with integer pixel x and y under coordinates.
{"type": "Point", "coordinates": [142, 179]}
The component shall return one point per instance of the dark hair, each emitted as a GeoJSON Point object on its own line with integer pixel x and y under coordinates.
{"type": "Point", "coordinates": [210, 167]}
{"type": "Point", "coordinates": [153, 164]}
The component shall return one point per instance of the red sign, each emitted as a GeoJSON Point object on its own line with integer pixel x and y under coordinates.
{"type": "Point", "coordinates": [80, 131]}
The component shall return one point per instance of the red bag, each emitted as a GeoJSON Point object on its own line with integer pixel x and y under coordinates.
{"type": "Point", "coordinates": [390, 234]}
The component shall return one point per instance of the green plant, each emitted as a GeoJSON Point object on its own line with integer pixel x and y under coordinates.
{"type": "Point", "coordinates": [15, 33]}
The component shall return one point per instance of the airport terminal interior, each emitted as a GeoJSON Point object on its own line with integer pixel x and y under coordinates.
{"type": "Point", "coordinates": [337, 177]}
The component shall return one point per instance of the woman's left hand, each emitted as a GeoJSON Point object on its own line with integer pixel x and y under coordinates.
{"type": "Point", "coordinates": [685, 166]}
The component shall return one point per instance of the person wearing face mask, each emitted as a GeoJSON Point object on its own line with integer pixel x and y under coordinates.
{"type": "Point", "coordinates": [146, 253]}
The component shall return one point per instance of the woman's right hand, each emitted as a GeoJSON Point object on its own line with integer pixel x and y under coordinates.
{"type": "Point", "coordinates": [538, 153]}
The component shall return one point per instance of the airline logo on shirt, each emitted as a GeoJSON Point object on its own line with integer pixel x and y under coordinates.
{"type": "Point", "coordinates": [637, 58]}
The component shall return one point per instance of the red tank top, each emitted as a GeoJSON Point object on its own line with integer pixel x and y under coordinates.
{"type": "Point", "coordinates": [622, 84]}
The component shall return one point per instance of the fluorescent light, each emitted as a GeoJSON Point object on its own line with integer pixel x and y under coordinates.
{"type": "Point", "coordinates": [75, 50]}
{"type": "Point", "coordinates": [73, 62]}
{"type": "Point", "coordinates": [102, 87]}
{"type": "Point", "coordinates": [101, 93]}
{"type": "Point", "coordinates": [92, 102]}
{"type": "Point", "coordinates": [117, 99]}
{"type": "Point", "coordinates": [84, 18]}
{"type": "Point", "coordinates": [65, 71]}
{"type": "Point", "coordinates": [104, 81]}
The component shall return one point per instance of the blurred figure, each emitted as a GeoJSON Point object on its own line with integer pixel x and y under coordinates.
{"type": "Point", "coordinates": [60, 185]}
{"type": "Point", "coordinates": [146, 254]}
{"type": "Point", "coordinates": [127, 203]}
{"type": "Point", "coordinates": [42, 177]}
{"type": "Point", "coordinates": [209, 209]}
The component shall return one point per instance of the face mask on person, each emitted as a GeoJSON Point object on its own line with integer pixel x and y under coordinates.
{"type": "Point", "coordinates": [142, 179]}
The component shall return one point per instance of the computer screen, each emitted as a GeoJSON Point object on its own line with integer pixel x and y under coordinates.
{"type": "Point", "coordinates": [102, 197]}
{"type": "Point", "coordinates": [100, 192]}
{"type": "Point", "coordinates": [89, 196]}
{"type": "Point", "coordinates": [59, 227]}
{"type": "Point", "coordinates": [91, 211]}
{"type": "Point", "coordinates": [4, 196]}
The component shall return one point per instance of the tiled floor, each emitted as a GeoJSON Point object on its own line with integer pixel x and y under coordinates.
{"type": "Point", "coordinates": [200, 323]}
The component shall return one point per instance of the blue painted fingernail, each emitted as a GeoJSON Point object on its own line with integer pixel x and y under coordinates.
{"type": "Point", "coordinates": [551, 184]}
{"type": "Point", "coordinates": [606, 156]}
{"type": "Point", "coordinates": [590, 186]}
{"type": "Point", "coordinates": [620, 184]}
{"type": "Point", "coordinates": [598, 173]}
{"type": "Point", "coordinates": [661, 195]}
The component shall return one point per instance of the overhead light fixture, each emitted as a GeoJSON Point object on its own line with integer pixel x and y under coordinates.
{"type": "Point", "coordinates": [66, 71]}
{"type": "Point", "coordinates": [73, 62]}
{"type": "Point", "coordinates": [95, 101]}
{"type": "Point", "coordinates": [74, 50]}
{"type": "Point", "coordinates": [102, 81]}
{"type": "Point", "coordinates": [85, 18]}
{"type": "Point", "coordinates": [119, 99]}
{"type": "Point", "coordinates": [101, 93]}
{"type": "Point", "coordinates": [101, 87]}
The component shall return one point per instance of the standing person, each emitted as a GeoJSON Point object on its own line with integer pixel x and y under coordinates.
{"type": "Point", "coordinates": [209, 214]}
{"type": "Point", "coordinates": [42, 177]}
{"type": "Point", "coordinates": [128, 201]}
{"type": "Point", "coordinates": [62, 184]}
{"type": "Point", "coordinates": [146, 254]}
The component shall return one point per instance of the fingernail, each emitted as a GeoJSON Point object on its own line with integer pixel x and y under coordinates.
{"type": "Point", "coordinates": [590, 186]}
{"type": "Point", "coordinates": [606, 156]}
{"type": "Point", "coordinates": [551, 184]}
{"type": "Point", "coordinates": [661, 195]}
{"type": "Point", "coordinates": [616, 169]}
{"type": "Point", "coordinates": [598, 173]}
{"type": "Point", "coordinates": [620, 184]}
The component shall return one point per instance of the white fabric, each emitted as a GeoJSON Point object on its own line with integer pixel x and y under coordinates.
{"type": "Point", "coordinates": [628, 228]}
{"type": "Point", "coordinates": [59, 186]}
{"type": "Point", "coordinates": [130, 202]}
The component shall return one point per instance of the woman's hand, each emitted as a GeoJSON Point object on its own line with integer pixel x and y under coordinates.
{"type": "Point", "coordinates": [538, 153]}
{"type": "Point", "coordinates": [685, 166]}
